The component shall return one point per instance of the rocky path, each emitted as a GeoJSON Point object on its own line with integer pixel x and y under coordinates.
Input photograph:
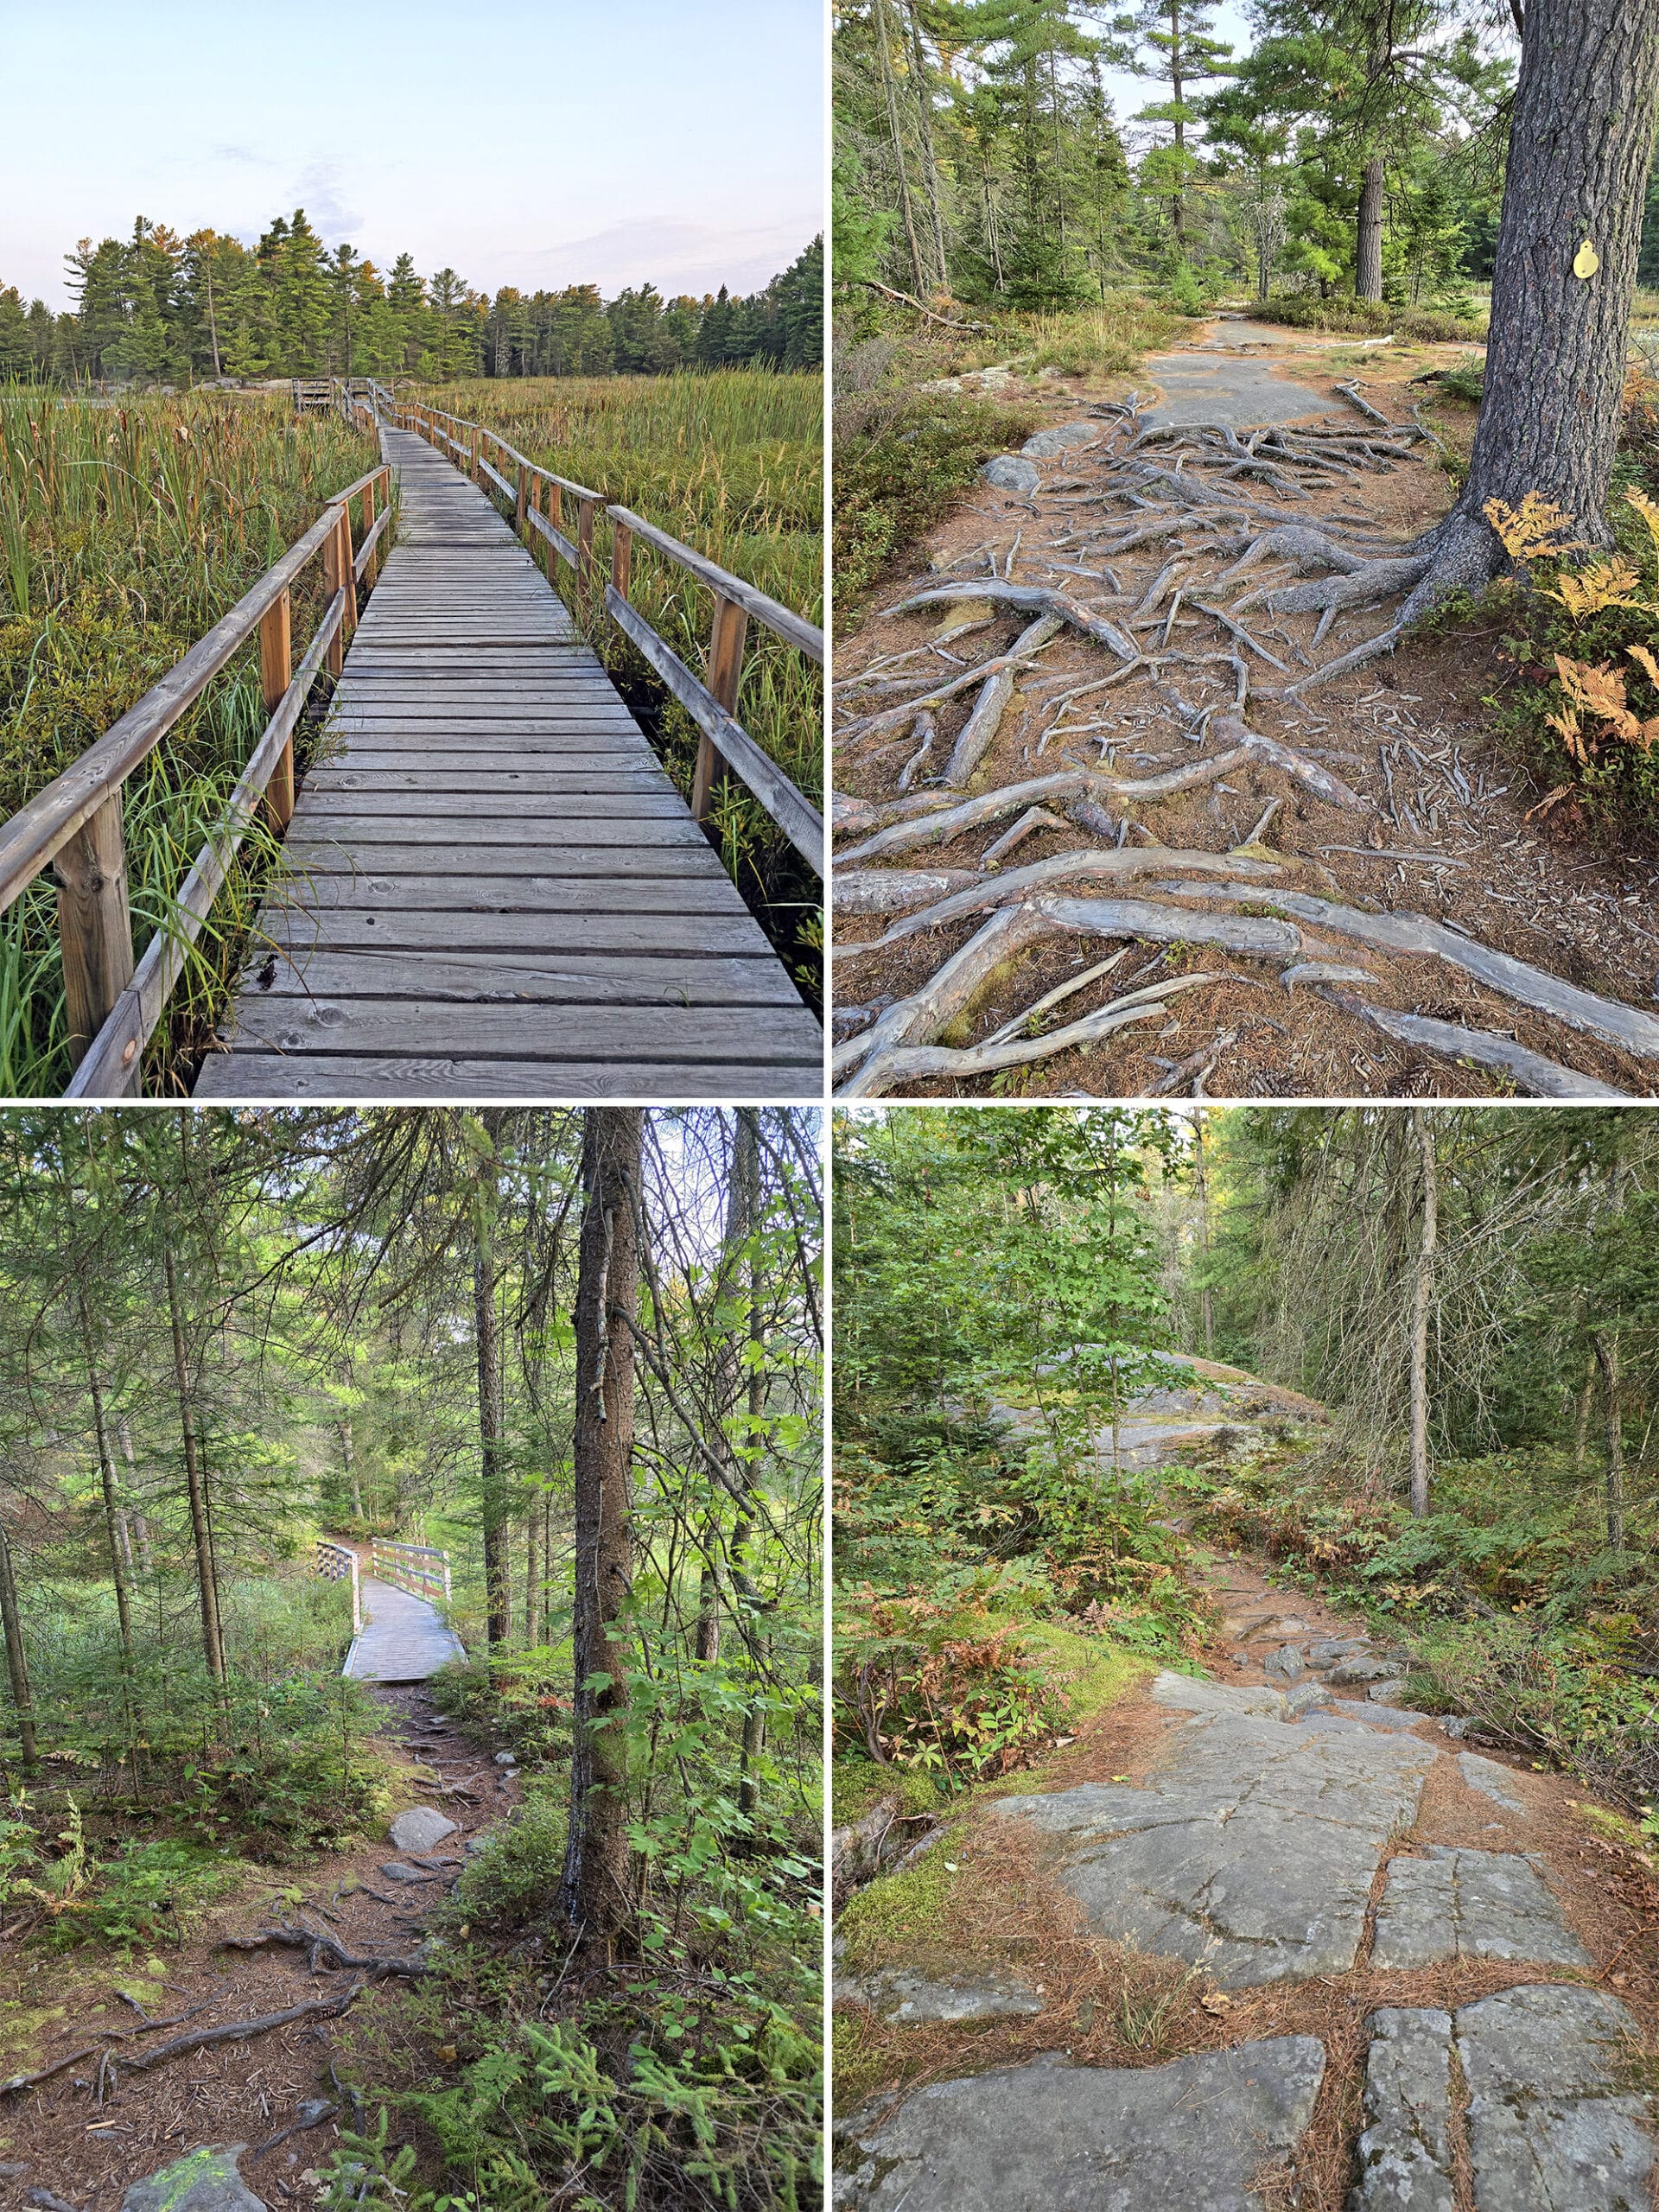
{"type": "Point", "coordinates": [1261, 1939]}
{"type": "Point", "coordinates": [1108, 827]}
{"type": "Point", "coordinates": [244, 2124]}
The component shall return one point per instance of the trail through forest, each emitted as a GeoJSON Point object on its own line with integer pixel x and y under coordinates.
{"type": "Point", "coordinates": [1335, 1933]}
{"type": "Point", "coordinates": [1080, 727]}
{"type": "Point", "coordinates": [85, 2137]}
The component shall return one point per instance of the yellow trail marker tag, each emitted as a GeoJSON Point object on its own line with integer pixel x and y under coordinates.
{"type": "Point", "coordinates": [1585, 261]}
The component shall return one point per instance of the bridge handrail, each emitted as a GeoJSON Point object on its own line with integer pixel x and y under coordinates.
{"type": "Point", "coordinates": [335, 1561]}
{"type": "Point", "coordinates": [404, 1572]}
{"type": "Point", "coordinates": [711, 703]}
{"type": "Point", "coordinates": [114, 1005]}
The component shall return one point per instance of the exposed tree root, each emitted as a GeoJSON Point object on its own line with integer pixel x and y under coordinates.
{"type": "Point", "coordinates": [1021, 883]}
{"type": "Point", "coordinates": [909, 1063]}
{"type": "Point", "coordinates": [977, 734]}
{"type": "Point", "coordinates": [1195, 1068]}
{"type": "Point", "coordinates": [1035, 598]}
{"type": "Point", "coordinates": [1538, 1077]}
{"type": "Point", "coordinates": [885, 890]}
{"type": "Point", "coordinates": [859, 733]}
{"type": "Point", "coordinates": [1415, 935]}
{"type": "Point", "coordinates": [320, 1947]}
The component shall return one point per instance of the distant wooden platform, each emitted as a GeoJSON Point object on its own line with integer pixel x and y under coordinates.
{"type": "Point", "coordinates": [403, 1639]}
{"type": "Point", "coordinates": [491, 888]}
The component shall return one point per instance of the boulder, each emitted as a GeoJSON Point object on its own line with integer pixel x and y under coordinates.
{"type": "Point", "coordinates": [1355, 1671]}
{"type": "Point", "coordinates": [420, 1828]}
{"type": "Point", "coordinates": [1286, 1662]}
{"type": "Point", "coordinates": [203, 2181]}
{"type": "Point", "coordinates": [1046, 443]}
{"type": "Point", "coordinates": [1008, 473]}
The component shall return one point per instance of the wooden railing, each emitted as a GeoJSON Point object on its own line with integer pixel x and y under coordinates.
{"type": "Point", "coordinates": [336, 1561]}
{"type": "Point", "coordinates": [710, 700]}
{"type": "Point", "coordinates": [414, 1567]}
{"type": "Point", "coordinates": [75, 825]}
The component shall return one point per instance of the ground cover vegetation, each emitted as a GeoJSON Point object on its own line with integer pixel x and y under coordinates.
{"type": "Point", "coordinates": [126, 533]}
{"type": "Point", "coordinates": [732, 465]}
{"type": "Point", "coordinates": [580, 1352]}
{"type": "Point", "coordinates": [1469, 1297]}
{"type": "Point", "coordinates": [157, 307]}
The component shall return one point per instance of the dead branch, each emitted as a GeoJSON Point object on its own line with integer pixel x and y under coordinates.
{"type": "Point", "coordinates": [904, 300]}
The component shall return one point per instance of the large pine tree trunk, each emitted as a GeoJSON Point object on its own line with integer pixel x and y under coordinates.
{"type": "Point", "coordinates": [106, 1476]}
{"type": "Point", "coordinates": [498, 1566]}
{"type": "Point", "coordinates": [1613, 1411]}
{"type": "Point", "coordinates": [597, 1899]}
{"type": "Point", "coordinates": [1580, 145]}
{"type": "Point", "coordinates": [1422, 1298]}
{"type": "Point", "coordinates": [1368, 250]}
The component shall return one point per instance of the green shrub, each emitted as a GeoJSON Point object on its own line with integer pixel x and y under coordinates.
{"type": "Point", "coordinates": [1367, 318]}
{"type": "Point", "coordinates": [145, 1895]}
{"type": "Point", "coordinates": [512, 1884]}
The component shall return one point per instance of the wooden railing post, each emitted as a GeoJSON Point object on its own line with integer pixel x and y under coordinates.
{"type": "Point", "coordinates": [275, 674]}
{"type": "Point", "coordinates": [94, 924]}
{"type": "Point", "coordinates": [584, 540]}
{"type": "Point", "coordinates": [523, 500]}
{"type": "Point", "coordinates": [371, 566]}
{"type": "Point", "coordinates": [478, 452]}
{"type": "Point", "coordinates": [724, 672]}
{"type": "Point", "coordinates": [336, 574]}
{"type": "Point", "coordinates": [621, 557]}
{"type": "Point", "coordinates": [348, 576]}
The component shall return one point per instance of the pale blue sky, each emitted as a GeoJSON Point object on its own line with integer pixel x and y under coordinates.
{"type": "Point", "coordinates": [539, 143]}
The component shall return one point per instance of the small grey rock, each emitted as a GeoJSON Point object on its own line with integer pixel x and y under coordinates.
{"type": "Point", "coordinates": [1492, 1780]}
{"type": "Point", "coordinates": [44, 2199]}
{"type": "Point", "coordinates": [475, 1844]}
{"type": "Point", "coordinates": [420, 1828]}
{"type": "Point", "coordinates": [1286, 1662]}
{"type": "Point", "coordinates": [1307, 1697]}
{"type": "Point", "coordinates": [1008, 473]}
{"type": "Point", "coordinates": [9, 2172]}
{"type": "Point", "coordinates": [1351, 1671]}
{"type": "Point", "coordinates": [1060, 439]}
{"type": "Point", "coordinates": [506, 1758]}
{"type": "Point", "coordinates": [204, 2181]}
{"type": "Point", "coordinates": [1458, 1727]}
{"type": "Point", "coordinates": [1331, 1649]}
{"type": "Point", "coordinates": [394, 1870]}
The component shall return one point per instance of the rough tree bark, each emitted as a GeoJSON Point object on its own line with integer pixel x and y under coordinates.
{"type": "Point", "coordinates": [741, 1201]}
{"type": "Point", "coordinates": [1580, 146]}
{"type": "Point", "coordinates": [1421, 1297]}
{"type": "Point", "coordinates": [106, 1476]}
{"type": "Point", "coordinates": [1206, 1311]}
{"type": "Point", "coordinates": [596, 1891]}
{"type": "Point", "coordinates": [498, 1566]}
{"type": "Point", "coordinates": [213, 1641]}
{"type": "Point", "coordinates": [17, 1660]}
{"type": "Point", "coordinates": [1368, 250]}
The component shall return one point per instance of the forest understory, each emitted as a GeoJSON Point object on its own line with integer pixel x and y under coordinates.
{"type": "Point", "coordinates": [1327, 873]}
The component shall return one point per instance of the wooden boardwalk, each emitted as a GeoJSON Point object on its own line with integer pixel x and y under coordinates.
{"type": "Point", "coordinates": [403, 1639]}
{"type": "Point", "coordinates": [491, 888]}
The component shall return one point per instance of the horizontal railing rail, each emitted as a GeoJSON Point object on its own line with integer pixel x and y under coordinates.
{"type": "Point", "coordinates": [336, 1561]}
{"type": "Point", "coordinates": [415, 1567]}
{"type": "Point", "coordinates": [709, 699]}
{"type": "Point", "coordinates": [76, 826]}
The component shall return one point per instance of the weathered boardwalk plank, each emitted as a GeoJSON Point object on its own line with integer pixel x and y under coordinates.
{"type": "Point", "coordinates": [403, 1639]}
{"type": "Point", "coordinates": [491, 887]}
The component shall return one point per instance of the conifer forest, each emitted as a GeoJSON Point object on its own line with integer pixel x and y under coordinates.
{"type": "Point", "coordinates": [547, 1380]}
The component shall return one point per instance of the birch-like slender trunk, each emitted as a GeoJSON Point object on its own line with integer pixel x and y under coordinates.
{"type": "Point", "coordinates": [1422, 1299]}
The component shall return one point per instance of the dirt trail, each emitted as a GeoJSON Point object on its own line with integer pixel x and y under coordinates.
{"type": "Point", "coordinates": [60, 2138]}
{"type": "Point", "coordinates": [1389, 1963]}
{"type": "Point", "coordinates": [1385, 792]}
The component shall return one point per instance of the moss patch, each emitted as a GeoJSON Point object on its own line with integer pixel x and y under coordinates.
{"type": "Point", "coordinates": [1093, 1671]}
{"type": "Point", "coordinates": [857, 1786]}
{"type": "Point", "coordinates": [891, 1916]}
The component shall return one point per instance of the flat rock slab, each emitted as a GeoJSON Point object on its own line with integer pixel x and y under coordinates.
{"type": "Point", "coordinates": [1061, 439]}
{"type": "Point", "coordinates": [1548, 2128]}
{"type": "Point", "coordinates": [206, 2181]}
{"type": "Point", "coordinates": [1454, 1903]}
{"type": "Point", "coordinates": [1050, 2137]}
{"type": "Point", "coordinates": [1206, 388]}
{"type": "Point", "coordinates": [420, 1828]}
{"type": "Point", "coordinates": [1492, 1780]}
{"type": "Point", "coordinates": [1008, 471]}
{"type": "Point", "coordinates": [897, 1995]}
{"type": "Point", "coordinates": [1250, 1852]}
{"type": "Point", "coordinates": [394, 1870]}
{"type": "Point", "coordinates": [1187, 1694]}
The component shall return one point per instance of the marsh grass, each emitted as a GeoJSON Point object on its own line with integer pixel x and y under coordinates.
{"type": "Point", "coordinates": [126, 533]}
{"type": "Point", "coordinates": [731, 464]}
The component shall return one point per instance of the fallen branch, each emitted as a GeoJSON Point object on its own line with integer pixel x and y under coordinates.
{"type": "Point", "coordinates": [904, 300]}
{"type": "Point", "coordinates": [1538, 1077]}
{"type": "Point", "coordinates": [1005, 890]}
